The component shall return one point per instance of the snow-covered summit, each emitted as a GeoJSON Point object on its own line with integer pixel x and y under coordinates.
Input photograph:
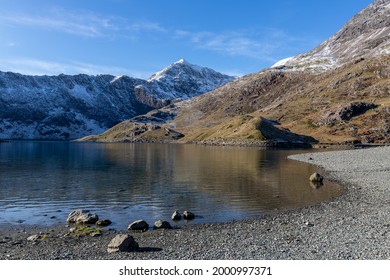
{"type": "Point", "coordinates": [367, 34]}
{"type": "Point", "coordinates": [184, 80]}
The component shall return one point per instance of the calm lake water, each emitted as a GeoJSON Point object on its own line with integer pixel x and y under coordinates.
{"type": "Point", "coordinates": [41, 182]}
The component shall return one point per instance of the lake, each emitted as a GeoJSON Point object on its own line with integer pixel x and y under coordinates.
{"type": "Point", "coordinates": [42, 181]}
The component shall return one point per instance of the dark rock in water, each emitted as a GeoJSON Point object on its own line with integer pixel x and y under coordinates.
{"type": "Point", "coordinates": [139, 225]}
{"type": "Point", "coordinates": [103, 223]}
{"type": "Point", "coordinates": [82, 217]}
{"type": "Point", "coordinates": [316, 185]}
{"type": "Point", "coordinates": [160, 224]}
{"type": "Point", "coordinates": [122, 243]}
{"type": "Point", "coordinates": [187, 215]}
{"type": "Point", "coordinates": [176, 216]}
{"type": "Point", "coordinates": [316, 178]}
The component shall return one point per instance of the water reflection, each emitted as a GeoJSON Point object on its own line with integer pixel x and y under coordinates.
{"type": "Point", "coordinates": [124, 182]}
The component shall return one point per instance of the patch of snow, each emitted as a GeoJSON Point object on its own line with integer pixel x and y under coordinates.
{"type": "Point", "coordinates": [282, 62]}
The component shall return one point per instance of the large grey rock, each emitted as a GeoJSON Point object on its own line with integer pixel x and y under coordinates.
{"type": "Point", "coordinates": [139, 225]}
{"type": "Point", "coordinates": [82, 217]}
{"type": "Point", "coordinates": [122, 243]}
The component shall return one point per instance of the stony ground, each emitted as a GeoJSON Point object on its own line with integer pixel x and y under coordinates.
{"type": "Point", "coordinates": [353, 226]}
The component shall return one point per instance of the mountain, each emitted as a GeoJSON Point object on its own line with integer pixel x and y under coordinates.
{"type": "Point", "coordinates": [339, 92]}
{"type": "Point", "coordinates": [68, 107]}
{"type": "Point", "coordinates": [183, 80]}
{"type": "Point", "coordinates": [365, 35]}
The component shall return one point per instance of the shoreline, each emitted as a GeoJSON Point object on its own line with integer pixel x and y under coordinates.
{"type": "Point", "coordinates": [352, 226]}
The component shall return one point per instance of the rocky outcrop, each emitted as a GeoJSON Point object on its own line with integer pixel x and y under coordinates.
{"type": "Point", "coordinates": [345, 113]}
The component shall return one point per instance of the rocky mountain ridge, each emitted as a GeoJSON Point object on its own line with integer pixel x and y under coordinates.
{"type": "Point", "coordinates": [67, 107]}
{"type": "Point", "coordinates": [365, 35]}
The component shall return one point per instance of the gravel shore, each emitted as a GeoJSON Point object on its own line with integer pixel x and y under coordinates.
{"type": "Point", "coordinates": [355, 225]}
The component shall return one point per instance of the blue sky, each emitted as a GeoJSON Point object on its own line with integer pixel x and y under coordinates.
{"type": "Point", "coordinates": [140, 37]}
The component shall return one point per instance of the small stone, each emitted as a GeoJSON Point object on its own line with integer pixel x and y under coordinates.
{"type": "Point", "coordinates": [176, 216]}
{"type": "Point", "coordinates": [160, 224]}
{"type": "Point", "coordinates": [96, 234]}
{"type": "Point", "coordinates": [187, 215]}
{"type": "Point", "coordinates": [316, 178]}
{"type": "Point", "coordinates": [139, 225]}
{"type": "Point", "coordinates": [308, 224]}
{"type": "Point", "coordinates": [103, 223]}
{"type": "Point", "coordinates": [34, 237]}
{"type": "Point", "coordinates": [122, 243]}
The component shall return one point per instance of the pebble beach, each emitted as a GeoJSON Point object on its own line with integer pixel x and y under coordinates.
{"type": "Point", "coordinates": [355, 225]}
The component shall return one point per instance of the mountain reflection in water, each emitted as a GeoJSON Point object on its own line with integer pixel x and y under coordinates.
{"type": "Point", "coordinates": [41, 182]}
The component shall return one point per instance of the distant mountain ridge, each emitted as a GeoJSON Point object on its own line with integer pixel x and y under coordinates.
{"type": "Point", "coordinates": [67, 107]}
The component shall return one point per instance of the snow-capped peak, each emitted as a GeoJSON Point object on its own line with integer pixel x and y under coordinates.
{"type": "Point", "coordinates": [183, 80]}
{"type": "Point", "coordinates": [178, 64]}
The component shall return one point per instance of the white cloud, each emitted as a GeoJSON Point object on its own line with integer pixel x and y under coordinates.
{"type": "Point", "coordinates": [261, 44]}
{"type": "Point", "coordinates": [85, 24]}
{"type": "Point", "coordinates": [146, 26]}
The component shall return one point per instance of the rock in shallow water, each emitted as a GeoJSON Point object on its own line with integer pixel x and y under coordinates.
{"type": "Point", "coordinates": [82, 217]}
{"type": "Point", "coordinates": [103, 223]}
{"type": "Point", "coordinates": [316, 178]}
{"type": "Point", "coordinates": [160, 224]}
{"type": "Point", "coordinates": [139, 225]}
{"type": "Point", "coordinates": [176, 216]}
{"type": "Point", "coordinates": [187, 215]}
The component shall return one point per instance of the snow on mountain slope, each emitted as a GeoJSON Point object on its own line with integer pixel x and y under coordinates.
{"type": "Point", "coordinates": [367, 34]}
{"type": "Point", "coordinates": [184, 80]}
{"type": "Point", "coordinates": [68, 107]}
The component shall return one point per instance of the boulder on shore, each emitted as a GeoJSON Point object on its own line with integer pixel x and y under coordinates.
{"type": "Point", "coordinates": [122, 243]}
